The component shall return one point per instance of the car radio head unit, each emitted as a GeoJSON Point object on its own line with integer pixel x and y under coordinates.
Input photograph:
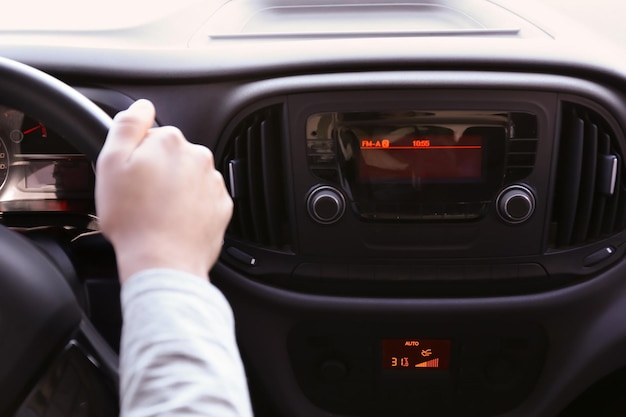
{"type": "Point", "coordinates": [409, 165]}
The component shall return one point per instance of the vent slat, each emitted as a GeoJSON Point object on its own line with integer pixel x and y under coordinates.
{"type": "Point", "coordinates": [525, 145]}
{"type": "Point", "coordinates": [242, 207]}
{"type": "Point", "coordinates": [587, 182]}
{"type": "Point", "coordinates": [569, 178]}
{"type": "Point", "coordinates": [589, 198]}
{"type": "Point", "coordinates": [255, 182]}
{"type": "Point", "coordinates": [613, 205]}
{"type": "Point", "coordinates": [253, 171]}
{"type": "Point", "coordinates": [271, 177]}
{"type": "Point", "coordinates": [621, 217]}
{"type": "Point", "coordinates": [595, 226]}
{"type": "Point", "coordinates": [520, 158]}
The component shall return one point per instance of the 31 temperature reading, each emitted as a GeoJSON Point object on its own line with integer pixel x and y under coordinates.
{"type": "Point", "coordinates": [416, 353]}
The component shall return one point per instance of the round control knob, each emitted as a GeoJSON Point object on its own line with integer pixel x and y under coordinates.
{"type": "Point", "coordinates": [516, 204]}
{"type": "Point", "coordinates": [326, 204]}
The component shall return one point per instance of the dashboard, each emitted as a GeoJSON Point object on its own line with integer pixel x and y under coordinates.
{"type": "Point", "coordinates": [429, 217]}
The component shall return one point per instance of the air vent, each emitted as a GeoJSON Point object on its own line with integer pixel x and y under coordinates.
{"type": "Point", "coordinates": [522, 146]}
{"type": "Point", "coordinates": [254, 172]}
{"type": "Point", "coordinates": [589, 197]}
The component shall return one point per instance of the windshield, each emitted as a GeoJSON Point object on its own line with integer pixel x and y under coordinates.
{"type": "Point", "coordinates": [127, 23]}
{"type": "Point", "coordinates": [79, 15]}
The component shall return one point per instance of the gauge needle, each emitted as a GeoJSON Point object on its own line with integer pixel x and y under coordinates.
{"type": "Point", "coordinates": [31, 130]}
{"type": "Point", "coordinates": [35, 128]}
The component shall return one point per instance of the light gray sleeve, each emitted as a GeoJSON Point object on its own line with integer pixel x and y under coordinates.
{"type": "Point", "coordinates": [178, 353]}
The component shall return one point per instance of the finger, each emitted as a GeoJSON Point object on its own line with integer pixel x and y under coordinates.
{"type": "Point", "coordinates": [129, 128]}
{"type": "Point", "coordinates": [166, 143]}
{"type": "Point", "coordinates": [204, 156]}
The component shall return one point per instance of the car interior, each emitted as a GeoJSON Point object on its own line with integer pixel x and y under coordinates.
{"type": "Point", "coordinates": [429, 202]}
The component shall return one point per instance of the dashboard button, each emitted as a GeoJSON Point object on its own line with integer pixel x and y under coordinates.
{"type": "Point", "coordinates": [241, 256]}
{"type": "Point", "coordinates": [500, 370]}
{"type": "Point", "coordinates": [599, 256]}
{"type": "Point", "coordinates": [516, 204]}
{"type": "Point", "coordinates": [326, 204]}
{"type": "Point", "coordinates": [333, 370]}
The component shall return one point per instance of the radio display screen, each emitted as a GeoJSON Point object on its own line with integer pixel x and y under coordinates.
{"type": "Point", "coordinates": [416, 164]}
{"type": "Point", "coordinates": [425, 155]}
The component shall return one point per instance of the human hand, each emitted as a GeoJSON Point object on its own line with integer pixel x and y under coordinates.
{"type": "Point", "coordinates": [159, 199]}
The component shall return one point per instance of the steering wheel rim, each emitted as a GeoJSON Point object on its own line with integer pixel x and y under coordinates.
{"type": "Point", "coordinates": [38, 311]}
{"type": "Point", "coordinates": [64, 109]}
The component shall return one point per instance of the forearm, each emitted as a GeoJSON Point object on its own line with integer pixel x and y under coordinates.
{"type": "Point", "coordinates": [179, 355]}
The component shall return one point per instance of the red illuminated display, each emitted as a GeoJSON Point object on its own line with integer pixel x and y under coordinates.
{"type": "Point", "coordinates": [422, 144]}
{"type": "Point", "coordinates": [416, 354]}
{"type": "Point", "coordinates": [430, 159]}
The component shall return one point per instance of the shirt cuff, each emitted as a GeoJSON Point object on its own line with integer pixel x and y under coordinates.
{"type": "Point", "coordinates": [171, 280]}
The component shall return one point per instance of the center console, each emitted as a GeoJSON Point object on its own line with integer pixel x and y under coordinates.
{"type": "Point", "coordinates": [424, 174]}
{"type": "Point", "coordinates": [429, 185]}
{"type": "Point", "coordinates": [387, 229]}
{"type": "Point", "coordinates": [416, 367]}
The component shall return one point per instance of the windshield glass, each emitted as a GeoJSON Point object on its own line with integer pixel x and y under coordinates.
{"type": "Point", "coordinates": [80, 15]}
{"type": "Point", "coordinates": [174, 23]}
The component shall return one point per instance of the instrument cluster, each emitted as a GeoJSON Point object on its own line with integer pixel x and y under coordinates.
{"type": "Point", "coordinates": [39, 169]}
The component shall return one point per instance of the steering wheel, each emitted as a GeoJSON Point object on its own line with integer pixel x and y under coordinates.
{"type": "Point", "coordinates": [38, 310]}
